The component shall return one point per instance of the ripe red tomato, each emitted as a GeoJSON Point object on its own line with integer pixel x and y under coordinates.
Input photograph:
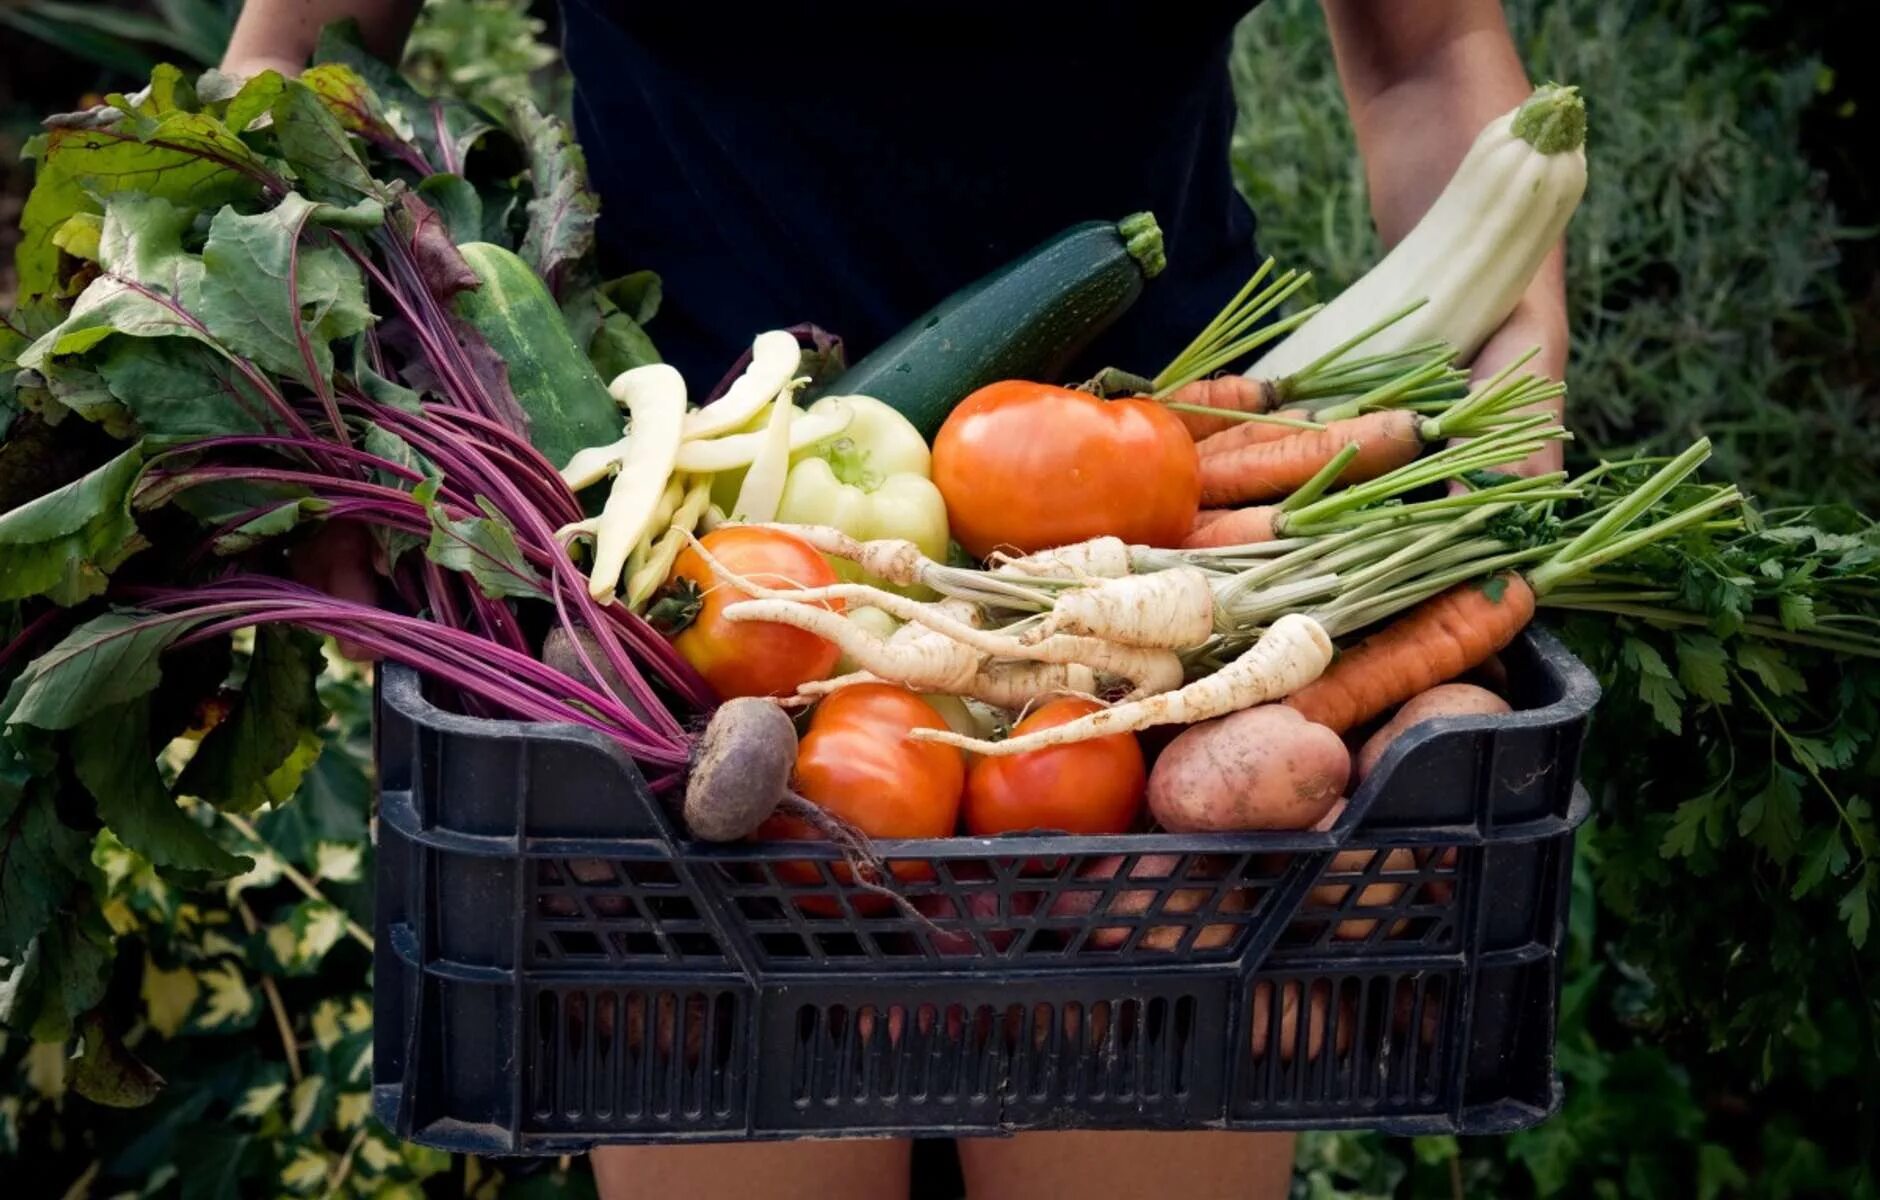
{"type": "Point", "coordinates": [1028, 466]}
{"type": "Point", "coordinates": [753, 658]}
{"type": "Point", "coordinates": [1095, 786]}
{"type": "Point", "coordinates": [858, 763]}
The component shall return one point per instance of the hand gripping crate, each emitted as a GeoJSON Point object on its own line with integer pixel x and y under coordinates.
{"type": "Point", "coordinates": [556, 967]}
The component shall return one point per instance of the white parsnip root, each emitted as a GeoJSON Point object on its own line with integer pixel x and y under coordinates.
{"type": "Point", "coordinates": [1148, 670]}
{"type": "Point", "coordinates": [1293, 652]}
{"type": "Point", "coordinates": [1098, 558]}
{"type": "Point", "coordinates": [1172, 609]}
{"type": "Point", "coordinates": [922, 659]}
{"type": "Point", "coordinates": [892, 560]}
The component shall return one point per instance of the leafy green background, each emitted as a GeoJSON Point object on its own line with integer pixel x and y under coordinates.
{"type": "Point", "coordinates": [1719, 1023]}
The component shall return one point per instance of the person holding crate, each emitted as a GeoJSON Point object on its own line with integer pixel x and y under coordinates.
{"type": "Point", "coordinates": [847, 162]}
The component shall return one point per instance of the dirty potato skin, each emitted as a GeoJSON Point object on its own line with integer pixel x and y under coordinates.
{"type": "Point", "coordinates": [1375, 895]}
{"type": "Point", "coordinates": [1444, 700]}
{"type": "Point", "coordinates": [1260, 768]}
{"type": "Point", "coordinates": [1156, 868]}
{"type": "Point", "coordinates": [1319, 1011]}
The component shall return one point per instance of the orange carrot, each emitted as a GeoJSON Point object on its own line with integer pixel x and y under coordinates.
{"type": "Point", "coordinates": [1230, 393]}
{"type": "Point", "coordinates": [1251, 433]}
{"type": "Point", "coordinates": [1433, 643]}
{"type": "Point", "coordinates": [1271, 470]}
{"type": "Point", "coordinates": [1232, 527]}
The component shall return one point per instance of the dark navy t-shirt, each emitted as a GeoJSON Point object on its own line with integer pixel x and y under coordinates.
{"type": "Point", "coordinates": [849, 163]}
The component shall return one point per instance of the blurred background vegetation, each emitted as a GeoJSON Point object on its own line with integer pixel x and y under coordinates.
{"type": "Point", "coordinates": [1723, 281]}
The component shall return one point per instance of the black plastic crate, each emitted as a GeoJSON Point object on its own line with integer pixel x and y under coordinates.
{"type": "Point", "coordinates": [555, 968]}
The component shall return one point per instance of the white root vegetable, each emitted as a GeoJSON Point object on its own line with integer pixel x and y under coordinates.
{"type": "Point", "coordinates": [655, 400]}
{"type": "Point", "coordinates": [1005, 684]}
{"type": "Point", "coordinates": [1018, 684]}
{"type": "Point", "coordinates": [875, 620]}
{"type": "Point", "coordinates": [709, 456]}
{"type": "Point", "coordinates": [1172, 609]}
{"type": "Point", "coordinates": [762, 488]}
{"type": "Point", "coordinates": [923, 660]}
{"type": "Point", "coordinates": [1099, 558]}
{"type": "Point", "coordinates": [891, 560]}
{"type": "Point", "coordinates": [1149, 670]}
{"type": "Point", "coordinates": [775, 356]}
{"type": "Point", "coordinates": [1293, 652]}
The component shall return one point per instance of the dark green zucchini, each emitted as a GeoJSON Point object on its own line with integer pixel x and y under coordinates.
{"type": "Point", "coordinates": [1027, 320]}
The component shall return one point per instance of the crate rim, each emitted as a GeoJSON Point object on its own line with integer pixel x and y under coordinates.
{"type": "Point", "coordinates": [401, 689]}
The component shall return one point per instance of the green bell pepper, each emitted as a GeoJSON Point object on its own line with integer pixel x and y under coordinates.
{"type": "Point", "coordinates": [872, 482]}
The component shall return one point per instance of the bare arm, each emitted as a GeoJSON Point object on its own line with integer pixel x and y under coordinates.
{"type": "Point", "coordinates": [280, 34]}
{"type": "Point", "coordinates": [1422, 77]}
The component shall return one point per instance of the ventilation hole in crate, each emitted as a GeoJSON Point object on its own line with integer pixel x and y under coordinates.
{"type": "Point", "coordinates": [803, 1059]}
{"type": "Point", "coordinates": [783, 945]}
{"type": "Point", "coordinates": [1181, 1036]}
{"type": "Point", "coordinates": [635, 944]}
{"type": "Point", "coordinates": [671, 908]}
{"type": "Point", "coordinates": [576, 943]}
{"type": "Point", "coordinates": [547, 872]}
{"type": "Point", "coordinates": [546, 1059]}
{"type": "Point", "coordinates": [574, 1032]}
{"type": "Point", "coordinates": [606, 1040]}
{"type": "Point", "coordinates": [760, 909]}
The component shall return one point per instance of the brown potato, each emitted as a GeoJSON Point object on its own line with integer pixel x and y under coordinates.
{"type": "Point", "coordinates": [1319, 1010]}
{"type": "Point", "coordinates": [1260, 768]}
{"type": "Point", "coordinates": [1156, 867]}
{"type": "Point", "coordinates": [1375, 895]}
{"type": "Point", "coordinates": [1444, 700]}
{"type": "Point", "coordinates": [1404, 1006]}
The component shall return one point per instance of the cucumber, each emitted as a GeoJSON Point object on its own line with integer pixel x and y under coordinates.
{"type": "Point", "coordinates": [557, 386]}
{"type": "Point", "coordinates": [1027, 320]}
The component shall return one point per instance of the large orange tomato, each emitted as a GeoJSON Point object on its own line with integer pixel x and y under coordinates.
{"type": "Point", "coordinates": [1028, 466]}
{"type": "Point", "coordinates": [1094, 786]}
{"type": "Point", "coordinates": [751, 658]}
{"type": "Point", "coordinates": [857, 762]}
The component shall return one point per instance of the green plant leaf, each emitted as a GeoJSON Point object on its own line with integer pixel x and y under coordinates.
{"type": "Point", "coordinates": [112, 756]}
{"type": "Point", "coordinates": [247, 301]}
{"type": "Point", "coordinates": [185, 157]}
{"type": "Point", "coordinates": [1773, 816]}
{"type": "Point", "coordinates": [1856, 909]}
{"type": "Point", "coordinates": [1825, 856]}
{"type": "Point", "coordinates": [107, 661]}
{"type": "Point", "coordinates": [456, 200]}
{"type": "Point", "coordinates": [1656, 685]}
{"type": "Point", "coordinates": [41, 859]}
{"type": "Point", "coordinates": [330, 808]}
{"type": "Point", "coordinates": [233, 765]}
{"type": "Point", "coordinates": [175, 388]}
{"type": "Point", "coordinates": [563, 211]}
{"type": "Point", "coordinates": [108, 1073]}
{"type": "Point", "coordinates": [65, 544]}
{"type": "Point", "coordinates": [282, 518]}
{"type": "Point", "coordinates": [1772, 666]}
{"type": "Point", "coordinates": [443, 129]}
{"type": "Point", "coordinates": [1704, 668]}
{"type": "Point", "coordinates": [315, 144]}
{"type": "Point", "coordinates": [483, 547]}
{"type": "Point", "coordinates": [255, 97]}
